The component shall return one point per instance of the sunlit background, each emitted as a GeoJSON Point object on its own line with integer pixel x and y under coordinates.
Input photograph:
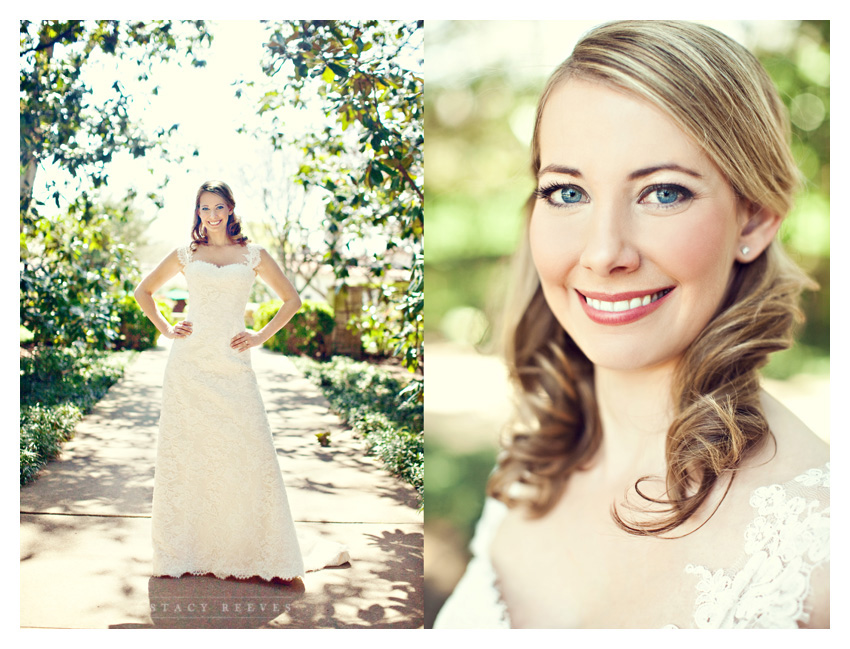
{"type": "Point", "coordinates": [220, 136]}
{"type": "Point", "coordinates": [483, 81]}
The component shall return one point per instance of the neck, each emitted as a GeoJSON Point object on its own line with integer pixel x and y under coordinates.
{"type": "Point", "coordinates": [636, 410]}
{"type": "Point", "coordinates": [218, 239]}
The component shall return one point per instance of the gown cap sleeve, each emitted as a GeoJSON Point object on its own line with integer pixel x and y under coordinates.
{"type": "Point", "coordinates": [254, 255]}
{"type": "Point", "coordinates": [184, 255]}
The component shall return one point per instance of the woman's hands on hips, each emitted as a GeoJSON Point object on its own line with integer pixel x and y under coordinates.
{"type": "Point", "coordinates": [180, 330]}
{"type": "Point", "coordinates": [245, 340]}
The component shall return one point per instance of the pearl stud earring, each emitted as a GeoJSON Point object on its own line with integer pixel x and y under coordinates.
{"type": "Point", "coordinates": [745, 250]}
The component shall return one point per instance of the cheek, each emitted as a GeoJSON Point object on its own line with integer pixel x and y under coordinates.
{"type": "Point", "coordinates": [701, 251]}
{"type": "Point", "coordinates": [554, 248]}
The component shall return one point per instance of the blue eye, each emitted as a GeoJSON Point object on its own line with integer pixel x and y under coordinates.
{"type": "Point", "coordinates": [562, 195]}
{"type": "Point", "coordinates": [666, 195]}
{"type": "Point", "coordinates": [570, 195]}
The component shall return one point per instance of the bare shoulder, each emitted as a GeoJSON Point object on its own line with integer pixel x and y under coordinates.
{"type": "Point", "coordinates": [817, 603]}
{"type": "Point", "coordinates": [792, 450]}
{"type": "Point", "coordinates": [174, 260]}
{"type": "Point", "coordinates": [166, 269]}
{"type": "Point", "coordinates": [262, 254]}
{"type": "Point", "coordinates": [797, 447]}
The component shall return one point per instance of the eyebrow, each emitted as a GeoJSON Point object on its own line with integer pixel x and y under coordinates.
{"type": "Point", "coordinates": [640, 173]}
{"type": "Point", "coordinates": [647, 171]}
{"type": "Point", "coordinates": [559, 169]}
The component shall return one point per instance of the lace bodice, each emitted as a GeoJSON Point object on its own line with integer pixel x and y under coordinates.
{"type": "Point", "coordinates": [219, 293]}
{"type": "Point", "coordinates": [786, 540]}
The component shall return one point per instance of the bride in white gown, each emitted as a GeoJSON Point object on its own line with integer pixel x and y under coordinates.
{"type": "Point", "coordinates": [219, 501]}
{"type": "Point", "coordinates": [649, 481]}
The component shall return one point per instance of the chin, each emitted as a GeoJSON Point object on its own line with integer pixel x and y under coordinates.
{"type": "Point", "coordinates": [636, 362]}
{"type": "Point", "coordinates": [625, 353]}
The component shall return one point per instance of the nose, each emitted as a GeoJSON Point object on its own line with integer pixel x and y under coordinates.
{"type": "Point", "coordinates": [608, 246]}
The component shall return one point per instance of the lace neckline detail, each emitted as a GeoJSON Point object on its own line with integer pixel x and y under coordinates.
{"type": "Point", "coordinates": [209, 263]}
{"type": "Point", "coordinates": [251, 257]}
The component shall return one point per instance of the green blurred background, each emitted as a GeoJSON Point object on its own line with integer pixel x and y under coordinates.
{"type": "Point", "coordinates": [483, 81]}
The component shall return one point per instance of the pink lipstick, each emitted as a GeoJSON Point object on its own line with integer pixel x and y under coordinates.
{"type": "Point", "coordinates": [621, 308]}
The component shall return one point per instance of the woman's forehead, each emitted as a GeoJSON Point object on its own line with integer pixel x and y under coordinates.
{"type": "Point", "coordinates": [587, 122]}
{"type": "Point", "coordinates": [210, 198]}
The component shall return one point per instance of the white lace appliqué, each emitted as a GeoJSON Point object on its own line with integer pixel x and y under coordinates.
{"type": "Point", "coordinates": [184, 255]}
{"type": "Point", "coordinates": [784, 543]}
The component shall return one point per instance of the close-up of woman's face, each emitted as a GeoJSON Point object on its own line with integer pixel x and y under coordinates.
{"type": "Point", "coordinates": [213, 210]}
{"type": "Point", "coordinates": [634, 231]}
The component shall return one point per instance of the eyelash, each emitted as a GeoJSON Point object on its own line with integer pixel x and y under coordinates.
{"type": "Point", "coordinates": [685, 194]}
{"type": "Point", "coordinates": [545, 193]}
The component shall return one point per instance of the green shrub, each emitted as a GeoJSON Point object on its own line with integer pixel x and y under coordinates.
{"type": "Point", "coordinates": [367, 398]}
{"type": "Point", "coordinates": [74, 270]}
{"type": "Point", "coordinates": [307, 334]}
{"type": "Point", "coordinates": [136, 330]}
{"type": "Point", "coordinates": [43, 429]}
{"type": "Point", "coordinates": [54, 375]}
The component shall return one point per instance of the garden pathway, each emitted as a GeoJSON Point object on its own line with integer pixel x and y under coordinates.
{"type": "Point", "coordinates": [85, 523]}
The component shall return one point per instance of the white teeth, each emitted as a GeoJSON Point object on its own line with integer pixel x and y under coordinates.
{"type": "Point", "coordinates": [624, 305]}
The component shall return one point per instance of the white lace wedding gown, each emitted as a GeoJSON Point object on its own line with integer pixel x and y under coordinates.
{"type": "Point", "coordinates": [219, 502]}
{"type": "Point", "coordinates": [787, 539]}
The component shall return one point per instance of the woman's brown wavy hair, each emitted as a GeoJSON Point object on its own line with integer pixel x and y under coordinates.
{"type": "Point", "coordinates": [719, 95]}
{"type": "Point", "coordinates": [234, 223]}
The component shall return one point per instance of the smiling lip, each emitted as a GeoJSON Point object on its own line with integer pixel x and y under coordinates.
{"type": "Point", "coordinates": [622, 308]}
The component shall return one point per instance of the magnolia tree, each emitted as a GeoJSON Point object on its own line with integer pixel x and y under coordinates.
{"type": "Point", "coordinates": [368, 156]}
{"type": "Point", "coordinates": [74, 264]}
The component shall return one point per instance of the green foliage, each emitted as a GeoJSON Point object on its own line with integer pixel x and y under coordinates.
{"type": "Point", "coordinates": [799, 359]}
{"type": "Point", "coordinates": [457, 485]}
{"type": "Point", "coordinates": [307, 334]}
{"type": "Point", "coordinates": [59, 123]}
{"type": "Point", "coordinates": [137, 331]}
{"type": "Point", "coordinates": [368, 399]}
{"type": "Point", "coordinates": [77, 266]}
{"type": "Point", "coordinates": [59, 386]}
{"type": "Point", "coordinates": [380, 318]}
{"type": "Point", "coordinates": [375, 334]}
{"type": "Point", "coordinates": [802, 73]}
{"type": "Point", "coordinates": [369, 159]}
{"type": "Point", "coordinates": [478, 185]}
{"type": "Point", "coordinates": [74, 274]}
{"type": "Point", "coordinates": [43, 429]}
{"type": "Point", "coordinates": [52, 375]}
